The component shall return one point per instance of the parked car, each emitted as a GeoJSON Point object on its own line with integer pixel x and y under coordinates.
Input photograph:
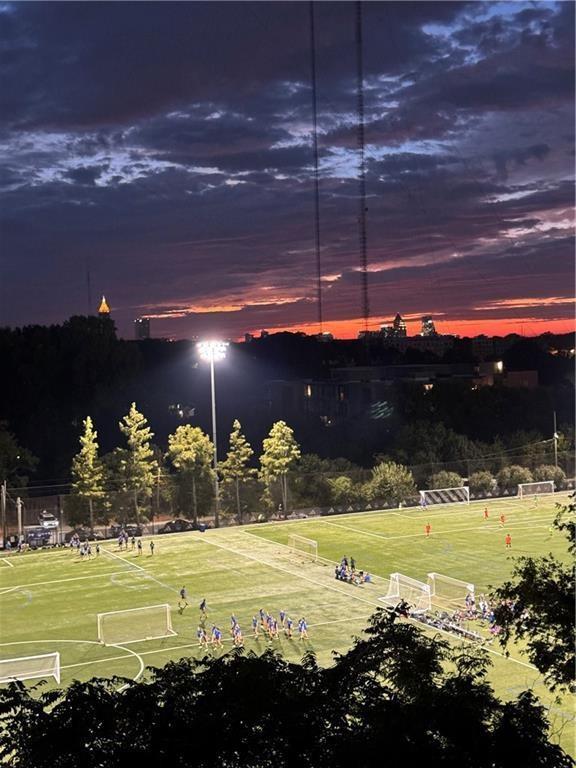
{"type": "Point", "coordinates": [131, 529]}
{"type": "Point", "coordinates": [179, 525]}
{"type": "Point", "coordinates": [84, 534]}
{"type": "Point", "coordinates": [48, 520]}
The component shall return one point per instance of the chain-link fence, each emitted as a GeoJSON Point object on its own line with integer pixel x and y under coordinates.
{"type": "Point", "coordinates": [171, 505]}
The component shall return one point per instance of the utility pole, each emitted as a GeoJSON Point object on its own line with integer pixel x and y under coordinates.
{"type": "Point", "coordinates": [19, 513]}
{"type": "Point", "coordinates": [555, 443]}
{"type": "Point", "coordinates": [3, 512]}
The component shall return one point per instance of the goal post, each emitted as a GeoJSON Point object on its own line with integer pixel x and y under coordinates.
{"type": "Point", "coordinates": [303, 546]}
{"type": "Point", "coordinates": [535, 489]}
{"type": "Point", "coordinates": [446, 589]}
{"type": "Point", "coordinates": [431, 496]}
{"type": "Point", "coordinates": [30, 667]}
{"type": "Point", "coordinates": [416, 593]}
{"type": "Point", "coordinates": [151, 622]}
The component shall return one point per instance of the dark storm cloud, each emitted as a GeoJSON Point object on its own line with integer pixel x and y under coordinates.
{"type": "Point", "coordinates": [167, 147]}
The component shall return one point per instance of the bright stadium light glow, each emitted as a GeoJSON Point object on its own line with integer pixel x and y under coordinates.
{"type": "Point", "coordinates": [212, 351]}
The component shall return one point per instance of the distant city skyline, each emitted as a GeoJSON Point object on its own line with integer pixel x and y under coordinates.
{"type": "Point", "coordinates": [162, 155]}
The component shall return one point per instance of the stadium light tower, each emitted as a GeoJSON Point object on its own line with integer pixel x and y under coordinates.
{"type": "Point", "coordinates": [213, 352]}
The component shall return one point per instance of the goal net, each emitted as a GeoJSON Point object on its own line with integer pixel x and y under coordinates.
{"type": "Point", "coordinates": [447, 590]}
{"type": "Point", "coordinates": [303, 545]}
{"type": "Point", "coordinates": [134, 625]}
{"type": "Point", "coordinates": [416, 593]}
{"type": "Point", "coordinates": [445, 496]}
{"type": "Point", "coordinates": [535, 489]}
{"type": "Point", "coordinates": [30, 667]}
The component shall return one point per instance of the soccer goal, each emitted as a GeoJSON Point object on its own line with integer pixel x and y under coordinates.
{"type": "Point", "coordinates": [416, 593]}
{"type": "Point", "coordinates": [526, 490]}
{"type": "Point", "coordinates": [446, 589]}
{"type": "Point", "coordinates": [303, 545]}
{"type": "Point", "coordinates": [445, 496]}
{"type": "Point", "coordinates": [30, 667]}
{"type": "Point", "coordinates": [134, 625]}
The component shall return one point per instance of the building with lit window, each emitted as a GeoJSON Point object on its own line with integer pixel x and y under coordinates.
{"type": "Point", "coordinates": [142, 328]}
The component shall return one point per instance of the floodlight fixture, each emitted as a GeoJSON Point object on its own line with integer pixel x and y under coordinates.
{"type": "Point", "coordinates": [212, 351]}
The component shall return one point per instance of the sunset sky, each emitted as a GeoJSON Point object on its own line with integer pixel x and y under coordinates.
{"type": "Point", "coordinates": [166, 149]}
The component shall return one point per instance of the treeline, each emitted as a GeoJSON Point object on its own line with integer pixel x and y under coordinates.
{"type": "Point", "coordinates": [55, 375]}
{"type": "Point", "coordinates": [138, 481]}
{"type": "Point", "coordinates": [397, 695]}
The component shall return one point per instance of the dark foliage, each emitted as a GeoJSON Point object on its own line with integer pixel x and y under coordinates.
{"type": "Point", "coordinates": [397, 697]}
{"type": "Point", "coordinates": [537, 605]}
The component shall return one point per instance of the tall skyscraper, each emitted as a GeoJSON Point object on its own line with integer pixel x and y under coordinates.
{"type": "Point", "coordinates": [428, 328]}
{"type": "Point", "coordinates": [104, 309]}
{"type": "Point", "coordinates": [399, 326]}
{"type": "Point", "coordinates": [142, 328]}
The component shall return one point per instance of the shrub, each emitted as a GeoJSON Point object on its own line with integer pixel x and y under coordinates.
{"type": "Point", "coordinates": [550, 472]}
{"type": "Point", "coordinates": [445, 479]}
{"type": "Point", "coordinates": [390, 483]}
{"type": "Point", "coordinates": [481, 482]}
{"type": "Point", "coordinates": [510, 477]}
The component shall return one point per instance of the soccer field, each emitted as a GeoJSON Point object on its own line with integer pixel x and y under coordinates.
{"type": "Point", "coordinates": [50, 599]}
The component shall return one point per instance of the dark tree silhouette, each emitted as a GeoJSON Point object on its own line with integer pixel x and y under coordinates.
{"type": "Point", "coordinates": [398, 696]}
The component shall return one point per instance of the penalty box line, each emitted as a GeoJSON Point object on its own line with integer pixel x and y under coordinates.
{"type": "Point", "coordinates": [288, 571]}
{"type": "Point", "coordinates": [185, 646]}
{"type": "Point", "coordinates": [140, 568]}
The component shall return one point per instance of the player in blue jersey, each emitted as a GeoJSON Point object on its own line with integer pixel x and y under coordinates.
{"type": "Point", "coordinates": [238, 638]}
{"type": "Point", "coordinates": [255, 626]}
{"type": "Point", "coordinates": [216, 636]}
{"type": "Point", "coordinates": [282, 615]}
{"type": "Point", "coordinates": [202, 637]}
{"type": "Point", "coordinates": [289, 625]}
{"type": "Point", "coordinates": [303, 629]}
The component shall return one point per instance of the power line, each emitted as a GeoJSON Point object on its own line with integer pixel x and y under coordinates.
{"type": "Point", "coordinates": [361, 167]}
{"type": "Point", "coordinates": [316, 170]}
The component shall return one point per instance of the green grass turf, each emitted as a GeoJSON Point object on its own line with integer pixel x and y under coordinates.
{"type": "Point", "coordinates": [49, 600]}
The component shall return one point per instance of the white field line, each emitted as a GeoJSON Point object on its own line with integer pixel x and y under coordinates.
{"type": "Point", "coordinates": [378, 604]}
{"type": "Point", "coordinates": [455, 530]}
{"type": "Point", "coordinates": [140, 568]}
{"type": "Point", "coordinates": [195, 645]}
{"type": "Point", "coordinates": [62, 581]}
{"type": "Point", "coordinates": [357, 530]}
{"type": "Point", "coordinates": [6, 562]}
{"type": "Point", "coordinates": [503, 503]}
{"type": "Point", "coordinates": [288, 571]}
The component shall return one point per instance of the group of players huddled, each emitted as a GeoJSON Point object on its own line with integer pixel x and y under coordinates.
{"type": "Point", "coordinates": [345, 570]}
{"type": "Point", "coordinates": [263, 624]}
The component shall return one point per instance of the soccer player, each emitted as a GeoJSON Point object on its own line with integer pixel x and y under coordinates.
{"type": "Point", "coordinates": [120, 541]}
{"type": "Point", "coordinates": [202, 637]}
{"type": "Point", "coordinates": [262, 615]}
{"type": "Point", "coordinates": [428, 528]}
{"type": "Point", "coordinates": [502, 520]}
{"type": "Point", "coordinates": [139, 546]}
{"type": "Point", "coordinates": [508, 541]}
{"type": "Point", "coordinates": [133, 542]}
{"type": "Point", "coordinates": [97, 549]}
{"type": "Point", "coordinates": [203, 606]}
{"type": "Point", "coordinates": [352, 564]}
{"type": "Point", "coordinates": [423, 502]}
{"type": "Point", "coordinates": [486, 515]}
{"type": "Point", "coordinates": [216, 636]}
{"type": "Point", "coordinates": [233, 624]}
{"type": "Point", "coordinates": [303, 629]}
{"type": "Point", "coordinates": [255, 626]}
{"type": "Point", "coordinates": [282, 615]}
{"type": "Point", "coordinates": [238, 639]}
{"type": "Point", "coordinates": [151, 548]}
{"type": "Point", "coordinates": [183, 600]}
{"type": "Point", "coordinates": [289, 625]}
